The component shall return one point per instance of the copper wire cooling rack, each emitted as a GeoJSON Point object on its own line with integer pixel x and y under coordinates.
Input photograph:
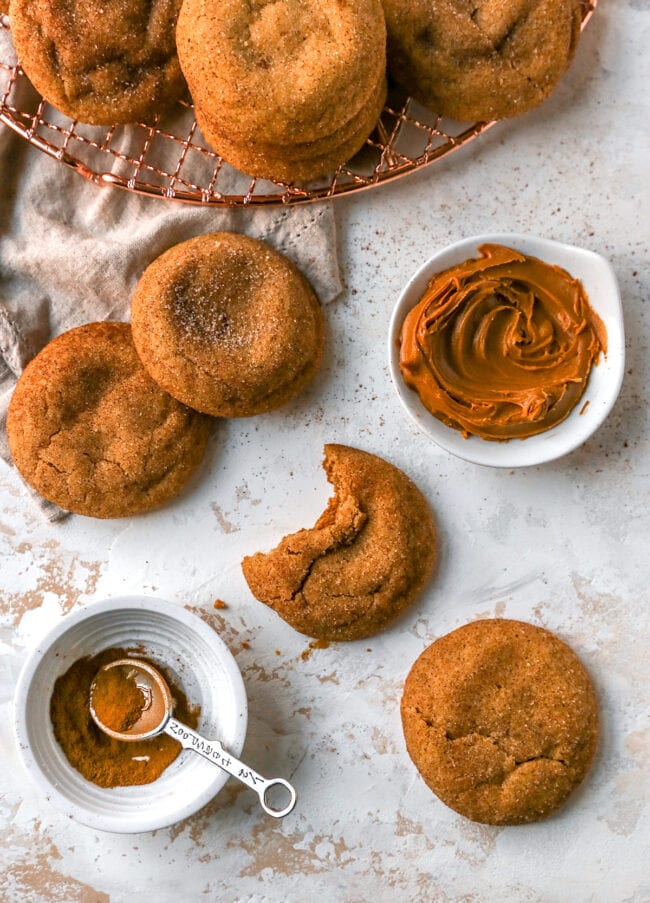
{"type": "Point", "coordinates": [169, 158]}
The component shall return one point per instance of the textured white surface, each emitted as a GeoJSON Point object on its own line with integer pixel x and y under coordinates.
{"type": "Point", "coordinates": [564, 545]}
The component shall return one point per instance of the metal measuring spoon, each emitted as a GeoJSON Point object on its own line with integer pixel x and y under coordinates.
{"type": "Point", "coordinates": [156, 718]}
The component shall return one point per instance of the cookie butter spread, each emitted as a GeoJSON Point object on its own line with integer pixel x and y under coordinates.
{"type": "Point", "coordinates": [501, 346]}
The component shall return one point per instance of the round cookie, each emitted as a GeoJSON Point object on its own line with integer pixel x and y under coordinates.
{"type": "Point", "coordinates": [100, 61]}
{"type": "Point", "coordinates": [365, 560]}
{"type": "Point", "coordinates": [489, 59]}
{"type": "Point", "coordinates": [285, 90]}
{"type": "Point", "coordinates": [227, 325]}
{"type": "Point", "coordinates": [295, 163]}
{"type": "Point", "coordinates": [501, 720]}
{"type": "Point", "coordinates": [287, 71]}
{"type": "Point", "coordinates": [92, 432]}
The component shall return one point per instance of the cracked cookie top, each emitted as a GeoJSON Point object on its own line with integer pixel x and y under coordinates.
{"type": "Point", "coordinates": [227, 325]}
{"type": "Point", "coordinates": [481, 59]}
{"type": "Point", "coordinates": [363, 562]}
{"type": "Point", "coordinates": [501, 720]}
{"type": "Point", "coordinates": [92, 432]}
{"type": "Point", "coordinates": [100, 61]}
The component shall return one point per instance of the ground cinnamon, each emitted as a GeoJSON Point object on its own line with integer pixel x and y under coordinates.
{"type": "Point", "coordinates": [118, 700]}
{"type": "Point", "coordinates": [99, 758]}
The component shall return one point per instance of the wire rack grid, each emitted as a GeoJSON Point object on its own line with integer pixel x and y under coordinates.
{"type": "Point", "coordinates": [169, 158]}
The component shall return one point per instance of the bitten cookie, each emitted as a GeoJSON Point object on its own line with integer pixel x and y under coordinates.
{"type": "Point", "coordinates": [227, 325]}
{"type": "Point", "coordinates": [501, 720]}
{"type": "Point", "coordinates": [364, 561]}
{"type": "Point", "coordinates": [100, 61]}
{"type": "Point", "coordinates": [489, 59]}
{"type": "Point", "coordinates": [92, 432]}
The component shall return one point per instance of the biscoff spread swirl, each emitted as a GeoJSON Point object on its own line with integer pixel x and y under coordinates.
{"type": "Point", "coordinates": [501, 346]}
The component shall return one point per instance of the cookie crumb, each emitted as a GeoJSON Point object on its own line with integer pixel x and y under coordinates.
{"type": "Point", "coordinates": [219, 604]}
{"type": "Point", "coordinates": [314, 644]}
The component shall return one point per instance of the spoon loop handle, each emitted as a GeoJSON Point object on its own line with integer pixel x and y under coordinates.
{"type": "Point", "coordinates": [213, 751]}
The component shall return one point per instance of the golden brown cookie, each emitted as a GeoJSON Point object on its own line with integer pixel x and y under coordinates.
{"type": "Point", "coordinates": [291, 70]}
{"type": "Point", "coordinates": [227, 325]}
{"type": "Point", "coordinates": [100, 61]}
{"type": "Point", "coordinates": [365, 560]}
{"type": "Point", "coordinates": [284, 82]}
{"type": "Point", "coordinates": [501, 720]}
{"type": "Point", "coordinates": [92, 432]}
{"type": "Point", "coordinates": [295, 163]}
{"type": "Point", "coordinates": [480, 59]}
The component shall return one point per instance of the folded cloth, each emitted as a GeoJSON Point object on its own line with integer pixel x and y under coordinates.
{"type": "Point", "coordinates": [71, 252]}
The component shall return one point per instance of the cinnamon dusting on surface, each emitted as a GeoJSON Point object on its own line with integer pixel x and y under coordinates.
{"type": "Point", "coordinates": [59, 572]}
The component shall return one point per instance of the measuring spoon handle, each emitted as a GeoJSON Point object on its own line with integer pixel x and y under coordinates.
{"type": "Point", "coordinates": [213, 751]}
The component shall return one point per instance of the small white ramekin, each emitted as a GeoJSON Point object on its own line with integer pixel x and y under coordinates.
{"type": "Point", "coordinates": [599, 281]}
{"type": "Point", "coordinates": [195, 656]}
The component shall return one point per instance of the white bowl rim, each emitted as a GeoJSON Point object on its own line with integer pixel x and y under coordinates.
{"type": "Point", "coordinates": [145, 822]}
{"type": "Point", "coordinates": [495, 454]}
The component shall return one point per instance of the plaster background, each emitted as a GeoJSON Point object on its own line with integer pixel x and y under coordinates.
{"type": "Point", "coordinates": [564, 546]}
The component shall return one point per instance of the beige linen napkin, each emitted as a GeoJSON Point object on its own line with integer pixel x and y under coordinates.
{"type": "Point", "coordinates": [71, 253]}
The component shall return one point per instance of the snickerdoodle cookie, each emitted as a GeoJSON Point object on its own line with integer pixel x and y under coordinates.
{"type": "Point", "coordinates": [481, 59]}
{"type": "Point", "coordinates": [92, 432]}
{"type": "Point", "coordinates": [501, 720]}
{"type": "Point", "coordinates": [300, 162]}
{"type": "Point", "coordinates": [100, 61]}
{"type": "Point", "coordinates": [277, 81]}
{"type": "Point", "coordinates": [364, 561]}
{"type": "Point", "coordinates": [227, 325]}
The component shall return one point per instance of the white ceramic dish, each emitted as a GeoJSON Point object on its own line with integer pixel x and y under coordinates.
{"type": "Point", "coordinates": [599, 281]}
{"type": "Point", "coordinates": [191, 651]}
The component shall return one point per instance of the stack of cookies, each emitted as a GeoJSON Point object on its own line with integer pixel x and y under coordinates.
{"type": "Point", "coordinates": [287, 90]}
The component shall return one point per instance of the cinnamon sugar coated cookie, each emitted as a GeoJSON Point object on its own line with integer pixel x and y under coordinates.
{"type": "Point", "coordinates": [93, 433]}
{"type": "Point", "coordinates": [284, 88]}
{"type": "Point", "coordinates": [227, 325]}
{"type": "Point", "coordinates": [364, 561]}
{"type": "Point", "coordinates": [481, 60]}
{"type": "Point", "coordinates": [296, 162]}
{"type": "Point", "coordinates": [100, 61]}
{"type": "Point", "coordinates": [501, 720]}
